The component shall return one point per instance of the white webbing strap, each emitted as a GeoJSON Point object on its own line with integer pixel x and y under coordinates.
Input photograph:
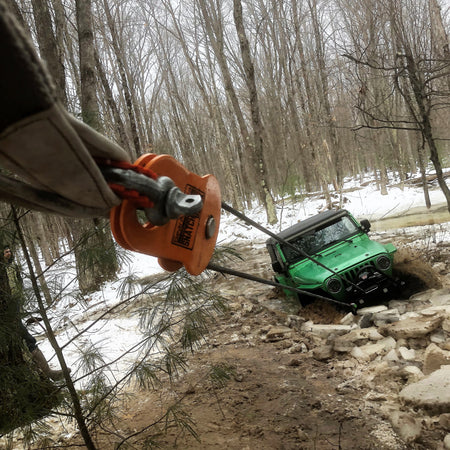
{"type": "Point", "coordinates": [50, 153]}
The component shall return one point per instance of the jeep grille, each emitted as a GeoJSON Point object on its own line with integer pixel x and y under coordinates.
{"type": "Point", "coordinates": [352, 274]}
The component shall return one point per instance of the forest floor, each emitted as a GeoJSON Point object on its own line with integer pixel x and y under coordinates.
{"type": "Point", "coordinates": [272, 393]}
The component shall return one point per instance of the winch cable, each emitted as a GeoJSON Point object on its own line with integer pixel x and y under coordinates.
{"type": "Point", "coordinates": [147, 185]}
{"type": "Point", "coordinates": [236, 273]}
{"type": "Point", "coordinates": [251, 222]}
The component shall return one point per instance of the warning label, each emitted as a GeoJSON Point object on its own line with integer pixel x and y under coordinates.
{"type": "Point", "coordinates": [186, 226]}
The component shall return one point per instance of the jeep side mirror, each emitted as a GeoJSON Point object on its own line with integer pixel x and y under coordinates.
{"type": "Point", "coordinates": [365, 225]}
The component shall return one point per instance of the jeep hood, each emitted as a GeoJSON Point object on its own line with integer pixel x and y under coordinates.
{"type": "Point", "coordinates": [337, 258]}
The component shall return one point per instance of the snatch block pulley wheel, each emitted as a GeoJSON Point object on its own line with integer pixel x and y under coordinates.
{"type": "Point", "coordinates": [189, 240]}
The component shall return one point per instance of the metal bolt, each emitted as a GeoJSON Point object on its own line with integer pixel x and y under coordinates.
{"type": "Point", "coordinates": [210, 228]}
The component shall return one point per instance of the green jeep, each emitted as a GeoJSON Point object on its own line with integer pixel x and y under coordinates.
{"type": "Point", "coordinates": [331, 255]}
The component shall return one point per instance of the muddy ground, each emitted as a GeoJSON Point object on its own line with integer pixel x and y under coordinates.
{"type": "Point", "coordinates": [270, 393]}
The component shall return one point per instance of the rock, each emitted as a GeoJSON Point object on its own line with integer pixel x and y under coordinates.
{"type": "Point", "coordinates": [283, 344]}
{"type": "Point", "coordinates": [381, 370]}
{"type": "Point", "coordinates": [391, 355]}
{"type": "Point", "coordinates": [371, 310]}
{"type": "Point", "coordinates": [278, 333]}
{"type": "Point", "coordinates": [447, 442]}
{"type": "Point", "coordinates": [358, 354]}
{"type": "Point", "coordinates": [400, 305]}
{"type": "Point", "coordinates": [375, 397]}
{"type": "Point", "coordinates": [418, 343]}
{"type": "Point", "coordinates": [295, 362]}
{"type": "Point", "coordinates": [439, 267]}
{"type": "Point", "coordinates": [295, 322]}
{"type": "Point", "coordinates": [367, 352]}
{"type": "Point", "coordinates": [384, 317]}
{"type": "Point", "coordinates": [407, 353]}
{"type": "Point", "coordinates": [322, 353]}
{"type": "Point", "coordinates": [374, 335]}
{"type": "Point", "coordinates": [388, 343]}
{"type": "Point", "coordinates": [234, 339]}
{"type": "Point", "coordinates": [326, 330]}
{"type": "Point", "coordinates": [348, 319]}
{"type": "Point", "coordinates": [434, 358]}
{"type": "Point", "coordinates": [366, 321]}
{"type": "Point", "coordinates": [298, 347]}
{"type": "Point", "coordinates": [422, 296]}
{"type": "Point", "coordinates": [439, 337]}
{"type": "Point", "coordinates": [410, 314]}
{"type": "Point", "coordinates": [357, 336]}
{"type": "Point", "coordinates": [431, 393]}
{"type": "Point", "coordinates": [412, 373]}
{"type": "Point", "coordinates": [440, 297]}
{"type": "Point", "coordinates": [443, 310]}
{"type": "Point", "coordinates": [406, 426]}
{"type": "Point", "coordinates": [444, 421]}
{"type": "Point", "coordinates": [413, 327]}
{"type": "Point", "coordinates": [446, 324]}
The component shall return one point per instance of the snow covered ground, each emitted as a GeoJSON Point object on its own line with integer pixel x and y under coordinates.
{"type": "Point", "coordinates": [115, 336]}
{"type": "Point", "coordinates": [119, 337]}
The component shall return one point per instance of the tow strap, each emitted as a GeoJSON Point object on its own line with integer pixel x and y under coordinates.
{"type": "Point", "coordinates": [247, 276]}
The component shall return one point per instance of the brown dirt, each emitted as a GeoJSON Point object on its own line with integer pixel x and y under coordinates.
{"type": "Point", "coordinates": [277, 397]}
{"type": "Point", "coordinates": [273, 400]}
{"type": "Point", "coordinates": [414, 268]}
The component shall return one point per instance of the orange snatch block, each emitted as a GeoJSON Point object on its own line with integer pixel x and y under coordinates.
{"type": "Point", "coordinates": [188, 241]}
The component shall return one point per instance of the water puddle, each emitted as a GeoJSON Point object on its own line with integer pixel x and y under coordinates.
{"type": "Point", "coordinates": [417, 216]}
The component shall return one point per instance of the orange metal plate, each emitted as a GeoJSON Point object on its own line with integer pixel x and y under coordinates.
{"type": "Point", "coordinates": [183, 241]}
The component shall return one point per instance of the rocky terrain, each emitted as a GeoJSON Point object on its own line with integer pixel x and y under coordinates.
{"type": "Point", "coordinates": [313, 377]}
{"type": "Point", "coordinates": [272, 375]}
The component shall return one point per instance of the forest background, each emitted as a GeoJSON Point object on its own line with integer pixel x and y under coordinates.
{"type": "Point", "coordinates": [270, 97]}
{"type": "Point", "coordinates": [273, 97]}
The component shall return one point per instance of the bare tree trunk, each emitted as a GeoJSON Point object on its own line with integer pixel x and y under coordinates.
{"type": "Point", "coordinates": [112, 104]}
{"type": "Point", "coordinates": [439, 37]}
{"type": "Point", "coordinates": [136, 150]}
{"type": "Point", "coordinates": [225, 155]}
{"type": "Point", "coordinates": [423, 174]}
{"type": "Point", "coordinates": [60, 32]}
{"type": "Point", "coordinates": [434, 156]}
{"type": "Point", "coordinates": [91, 277]}
{"type": "Point", "coordinates": [89, 105]}
{"type": "Point", "coordinates": [48, 47]}
{"type": "Point", "coordinates": [258, 131]}
{"type": "Point", "coordinates": [324, 95]}
{"type": "Point", "coordinates": [40, 277]}
{"type": "Point", "coordinates": [383, 176]}
{"type": "Point", "coordinates": [215, 33]}
{"type": "Point", "coordinates": [426, 128]}
{"type": "Point", "coordinates": [40, 233]}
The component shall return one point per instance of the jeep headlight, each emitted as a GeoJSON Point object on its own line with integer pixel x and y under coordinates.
{"type": "Point", "coordinates": [334, 285]}
{"type": "Point", "coordinates": [383, 262]}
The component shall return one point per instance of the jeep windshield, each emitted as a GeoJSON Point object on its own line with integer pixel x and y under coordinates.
{"type": "Point", "coordinates": [315, 240]}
